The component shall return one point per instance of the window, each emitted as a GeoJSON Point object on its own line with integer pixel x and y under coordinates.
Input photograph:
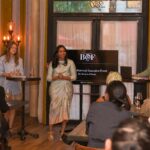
{"type": "Point", "coordinates": [123, 38]}
{"type": "Point", "coordinates": [97, 6]}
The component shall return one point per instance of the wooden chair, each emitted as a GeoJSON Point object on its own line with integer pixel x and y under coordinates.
{"type": "Point", "coordinates": [81, 147]}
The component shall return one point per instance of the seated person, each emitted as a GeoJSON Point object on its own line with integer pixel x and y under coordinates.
{"type": "Point", "coordinates": [3, 105]}
{"type": "Point", "coordinates": [4, 109]}
{"type": "Point", "coordinates": [145, 108]}
{"type": "Point", "coordinates": [112, 76]}
{"type": "Point", "coordinates": [103, 118]}
{"type": "Point", "coordinates": [132, 134]}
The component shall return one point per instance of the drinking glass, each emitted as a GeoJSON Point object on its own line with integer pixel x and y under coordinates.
{"type": "Point", "coordinates": [31, 72]}
{"type": "Point", "coordinates": [8, 94]}
{"type": "Point", "coordinates": [137, 104]}
{"type": "Point", "coordinates": [139, 96]}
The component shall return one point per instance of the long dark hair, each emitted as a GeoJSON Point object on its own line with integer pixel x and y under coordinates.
{"type": "Point", "coordinates": [132, 134]}
{"type": "Point", "coordinates": [55, 59]}
{"type": "Point", "coordinates": [16, 56]}
{"type": "Point", "coordinates": [117, 93]}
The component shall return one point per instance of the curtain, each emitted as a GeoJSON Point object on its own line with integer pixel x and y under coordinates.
{"type": "Point", "coordinates": [35, 54]}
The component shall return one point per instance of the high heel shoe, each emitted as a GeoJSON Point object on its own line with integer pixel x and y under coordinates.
{"type": "Point", "coordinates": [50, 136]}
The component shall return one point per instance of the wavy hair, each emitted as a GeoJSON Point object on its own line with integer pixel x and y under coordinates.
{"type": "Point", "coordinates": [55, 60]}
{"type": "Point", "coordinates": [16, 55]}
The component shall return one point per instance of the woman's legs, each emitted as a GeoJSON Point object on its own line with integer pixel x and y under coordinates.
{"type": "Point", "coordinates": [51, 127]}
{"type": "Point", "coordinates": [50, 133]}
{"type": "Point", "coordinates": [11, 118]}
{"type": "Point", "coordinates": [64, 124]}
{"type": "Point", "coordinates": [12, 112]}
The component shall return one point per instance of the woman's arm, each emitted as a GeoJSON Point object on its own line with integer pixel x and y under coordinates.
{"type": "Point", "coordinates": [50, 76]}
{"type": "Point", "coordinates": [73, 73]}
{"type": "Point", "coordinates": [20, 70]}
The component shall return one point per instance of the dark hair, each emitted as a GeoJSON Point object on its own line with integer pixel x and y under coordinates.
{"type": "Point", "coordinates": [118, 94]}
{"type": "Point", "coordinates": [10, 44]}
{"type": "Point", "coordinates": [132, 134]}
{"type": "Point", "coordinates": [55, 57]}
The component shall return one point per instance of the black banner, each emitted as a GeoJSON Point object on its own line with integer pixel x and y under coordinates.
{"type": "Point", "coordinates": [94, 66]}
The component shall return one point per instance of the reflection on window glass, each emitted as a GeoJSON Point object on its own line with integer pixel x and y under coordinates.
{"type": "Point", "coordinates": [98, 6]}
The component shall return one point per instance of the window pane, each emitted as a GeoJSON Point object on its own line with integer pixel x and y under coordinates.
{"type": "Point", "coordinates": [71, 6]}
{"type": "Point", "coordinates": [134, 6]}
{"type": "Point", "coordinates": [98, 6]}
{"type": "Point", "coordinates": [123, 38]}
{"type": "Point", "coordinates": [74, 34]}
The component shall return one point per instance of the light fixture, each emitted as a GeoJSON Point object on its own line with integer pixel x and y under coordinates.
{"type": "Point", "coordinates": [10, 36]}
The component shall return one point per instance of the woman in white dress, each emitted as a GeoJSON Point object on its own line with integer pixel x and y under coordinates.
{"type": "Point", "coordinates": [11, 65]}
{"type": "Point", "coordinates": [61, 73]}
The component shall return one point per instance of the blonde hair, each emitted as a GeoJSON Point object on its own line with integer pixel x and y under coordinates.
{"type": "Point", "coordinates": [113, 76]}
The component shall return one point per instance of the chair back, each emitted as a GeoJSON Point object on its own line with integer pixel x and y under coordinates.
{"type": "Point", "coordinates": [81, 147]}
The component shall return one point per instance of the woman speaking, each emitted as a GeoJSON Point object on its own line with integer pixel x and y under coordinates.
{"type": "Point", "coordinates": [61, 73]}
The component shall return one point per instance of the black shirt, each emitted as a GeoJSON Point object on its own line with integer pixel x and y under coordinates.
{"type": "Point", "coordinates": [102, 120]}
{"type": "Point", "coordinates": [3, 105]}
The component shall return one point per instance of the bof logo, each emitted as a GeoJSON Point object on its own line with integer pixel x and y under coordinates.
{"type": "Point", "coordinates": [87, 56]}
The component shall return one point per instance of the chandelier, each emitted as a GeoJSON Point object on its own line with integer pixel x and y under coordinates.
{"type": "Point", "coordinates": [96, 3]}
{"type": "Point", "coordinates": [10, 36]}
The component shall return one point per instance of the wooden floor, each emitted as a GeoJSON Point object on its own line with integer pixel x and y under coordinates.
{"type": "Point", "coordinates": [41, 143]}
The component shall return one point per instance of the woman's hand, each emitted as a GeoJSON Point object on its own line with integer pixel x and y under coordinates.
{"type": "Point", "coordinates": [101, 99]}
{"type": "Point", "coordinates": [55, 78]}
{"type": "Point", "coordinates": [17, 73]}
{"type": "Point", "coordinates": [6, 74]}
{"type": "Point", "coordinates": [61, 77]}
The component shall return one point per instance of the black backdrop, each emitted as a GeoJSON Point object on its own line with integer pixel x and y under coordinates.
{"type": "Point", "coordinates": [94, 66]}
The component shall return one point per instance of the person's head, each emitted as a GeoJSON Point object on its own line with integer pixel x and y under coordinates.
{"type": "Point", "coordinates": [113, 76]}
{"type": "Point", "coordinates": [132, 134]}
{"type": "Point", "coordinates": [117, 94]}
{"type": "Point", "coordinates": [60, 54]}
{"type": "Point", "coordinates": [12, 50]}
